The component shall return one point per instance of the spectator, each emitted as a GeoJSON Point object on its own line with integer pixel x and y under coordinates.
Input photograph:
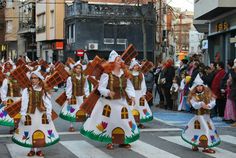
{"type": "Point", "coordinates": [215, 87]}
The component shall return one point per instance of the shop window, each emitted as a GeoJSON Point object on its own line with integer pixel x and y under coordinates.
{"type": "Point", "coordinates": [106, 111]}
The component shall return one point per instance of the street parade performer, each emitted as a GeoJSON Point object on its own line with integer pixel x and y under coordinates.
{"type": "Point", "coordinates": [10, 92]}
{"type": "Point", "coordinates": [111, 120]}
{"type": "Point", "coordinates": [200, 131]}
{"type": "Point", "coordinates": [36, 129]}
{"type": "Point", "coordinates": [77, 89]}
{"type": "Point", "coordinates": [141, 106]}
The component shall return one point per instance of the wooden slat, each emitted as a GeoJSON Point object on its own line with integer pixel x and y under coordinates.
{"type": "Point", "coordinates": [61, 99]}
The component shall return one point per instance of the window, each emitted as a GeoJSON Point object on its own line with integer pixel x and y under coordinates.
{"type": "Point", "coordinates": [52, 19]}
{"type": "Point", "coordinates": [109, 31]}
{"type": "Point", "coordinates": [9, 26]}
{"type": "Point", "coordinates": [9, 3]}
{"type": "Point", "coordinates": [71, 33]}
{"type": "Point", "coordinates": [28, 120]}
{"type": "Point", "coordinates": [41, 20]}
{"type": "Point", "coordinates": [197, 125]}
{"type": "Point", "coordinates": [106, 111]}
{"type": "Point", "coordinates": [44, 119]}
{"type": "Point", "coordinates": [124, 113]}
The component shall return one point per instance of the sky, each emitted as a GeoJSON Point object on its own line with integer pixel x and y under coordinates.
{"type": "Point", "coordinates": [183, 4]}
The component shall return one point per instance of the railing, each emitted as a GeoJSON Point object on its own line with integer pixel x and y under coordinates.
{"type": "Point", "coordinates": [106, 10]}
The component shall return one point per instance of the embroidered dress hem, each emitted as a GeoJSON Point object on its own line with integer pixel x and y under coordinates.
{"type": "Point", "coordinates": [31, 146]}
{"type": "Point", "coordinates": [105, 138]}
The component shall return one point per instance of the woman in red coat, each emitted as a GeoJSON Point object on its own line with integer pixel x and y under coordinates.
{"type": "Point", "coordinates": [215, 87]}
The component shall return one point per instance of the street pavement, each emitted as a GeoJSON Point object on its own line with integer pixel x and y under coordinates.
{"type": "Point", "coordinates": [160, 139]}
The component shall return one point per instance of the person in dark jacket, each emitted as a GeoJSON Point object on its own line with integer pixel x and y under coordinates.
{"type": "Point", "coordinates": [233, 85]}
{"type": "Point", "coordinates": [167, 76]}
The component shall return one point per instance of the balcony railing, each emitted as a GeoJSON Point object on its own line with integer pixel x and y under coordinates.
{"type": "Point", "coordinates": [40, 29]}
{"type": "Point", "coordinates": [107, 10]}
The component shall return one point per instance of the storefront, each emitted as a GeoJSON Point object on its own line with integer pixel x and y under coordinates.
{"type": "Point", "coordinates": [52, 51]}
{"type": "Point", "coordinates": [220, 33]}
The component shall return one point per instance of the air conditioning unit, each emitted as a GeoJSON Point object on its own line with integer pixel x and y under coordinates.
{"type": "Point", "coordinates": [93, 46]}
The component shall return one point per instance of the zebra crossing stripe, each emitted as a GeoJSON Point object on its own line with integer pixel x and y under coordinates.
{"type": "Point", "coordinates": [219, 152]}
{"type": "Point", "coordinates": [83, 149]}
{"type": "Point", "coordinates": [228, 139]}
{"type": "Point", "coordinates": [17, 151]}
{"type": "Point", "coordinates": [150, 151]}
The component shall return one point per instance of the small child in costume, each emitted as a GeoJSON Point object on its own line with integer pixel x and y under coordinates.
{"type": "Point", "coordinates": [174, 91]}
{"type": "Point", "coordinates": [200, 131]}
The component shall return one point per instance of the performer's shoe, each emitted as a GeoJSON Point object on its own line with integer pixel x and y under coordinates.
{"type": "Point", "coordinates": [31, 153]}
{"type": "Point", "coordinates": [71, 129]}
{"type": "Point", "coordinates": [210, 151]}
{"type": "Point", "coordinates": [40, 153]}
{"type": "Point", "coordinates": [110, 146]}
{"type": "Point", "coordinates": [127, 146]}
{"type": "Point", "coordinates": [141, 126]}
{"type": "Point", "coordinates": [195, 148]}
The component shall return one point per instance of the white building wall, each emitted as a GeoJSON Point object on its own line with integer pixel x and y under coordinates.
{"type": "Point", "coordinates": [194, 41]}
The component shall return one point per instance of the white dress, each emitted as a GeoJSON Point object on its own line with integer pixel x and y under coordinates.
{"type": "Point", "coordinates": [141, 108]}
{"type": "Point", "coordinates": [37, 131]}
{"type": "Point", "coordinates": [111, 121]}
{"type": "Point", "coordinates": [200, 130]}
{"type": "Point", "coordinates": [72, 112]}
{"type": "Point", "coordinates": [5, 119]}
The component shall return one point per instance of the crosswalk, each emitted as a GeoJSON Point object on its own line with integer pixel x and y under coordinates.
{"type": "Point", "coordinates": [84, 148]}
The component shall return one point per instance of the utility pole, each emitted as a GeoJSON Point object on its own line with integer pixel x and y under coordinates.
{"type": "Point", "coordinates": [180, 32]}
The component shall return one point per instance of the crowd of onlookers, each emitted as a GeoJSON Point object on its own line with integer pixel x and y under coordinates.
{"type": "Point", "coordinates": [173, 85]}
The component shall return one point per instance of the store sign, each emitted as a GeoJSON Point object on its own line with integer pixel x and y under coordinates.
{"type": "Point", "coordinates": [223, 26]}
{"type": "Point", "coordinates": [80, 52]}
{"type": "Point", "coordinates": [59, 45]}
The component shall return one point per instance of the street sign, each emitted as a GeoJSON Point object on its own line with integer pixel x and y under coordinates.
{"type": "Point", "coordinates": [80, 52]}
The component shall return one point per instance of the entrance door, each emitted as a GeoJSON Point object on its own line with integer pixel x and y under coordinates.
{"type": "Point", "coordinates": [118, 136]}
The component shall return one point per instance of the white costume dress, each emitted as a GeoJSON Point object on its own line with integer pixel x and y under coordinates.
{"type": "Point", "coordinates": [72, 112]}
{"type": "Point", "coordinates": [141, 108]}
{"type": "Point", "coordinates": [5, 119]}
{"type": "Point", "coordinates": [111, 120]}
{"type": "Point", "coordinates": [37, 130]}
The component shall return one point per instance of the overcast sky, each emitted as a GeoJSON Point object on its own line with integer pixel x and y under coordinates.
{"type": "Point", "coordinates": [183, 4]}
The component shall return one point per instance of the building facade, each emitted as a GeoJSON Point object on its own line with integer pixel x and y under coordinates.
{"type": "Point", "coordinates": [3, 48]}
{"type": "Point", "coordinates": [220, 16]}
{"type": "Point", "coordinates": [99, 27]}
{"type": "Point", "coordinates": [26, 34]}
{"type": "Point", "coordinates": [12, 25]}
{"type": "Point", "coordinates": [50, 29]}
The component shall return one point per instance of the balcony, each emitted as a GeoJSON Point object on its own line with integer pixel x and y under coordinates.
{"type": "Point", "coordinates": [101, 10]}
{"type": "Point", "coordinates": [26, 27]}
{"type": "Point", "coordinates": [40, 29]}
{"type": "Point", "coordinates": [209, 9]}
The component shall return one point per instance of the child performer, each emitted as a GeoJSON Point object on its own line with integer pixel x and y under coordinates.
{"type": "Point", "coordinates": [36, 129]}
{"type": "Point", "coordinates": [200, 131]}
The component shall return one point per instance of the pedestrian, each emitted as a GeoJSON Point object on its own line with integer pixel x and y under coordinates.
{"type": "Point", "coordinates": [157, 74]}
{"type": "Point", "coordinates": [183, 92]}
{"type": "Point", "coordinates": [200, 131]}
{"type": "Point", "coordinates": [230, 108]}
{"type": "Point", "coordinates": [174, 91]}
{"type": "Point", "coordinates": [111, 120]}
{"type": "Point", "coordinates": [167, 78]}
{"type": "Point", "coordinates": [233, 86]}
{"type": "Point", "coordinates": [36, 128]}
{"type": "Point", "coordinates": [77, 89]}
{"type": "Point", "coordinates": [215, 87]}
{"type": "Point", "coordinates": [141, 106]}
